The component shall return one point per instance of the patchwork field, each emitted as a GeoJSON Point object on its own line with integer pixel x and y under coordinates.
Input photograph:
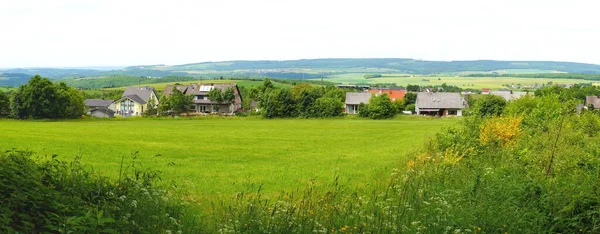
{"type": "Point", "coordinates": [218, 156]}
{"type": "Point", "coordinates": [463, 82]}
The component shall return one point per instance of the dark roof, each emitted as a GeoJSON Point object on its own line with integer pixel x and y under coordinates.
{"type": "Point", "coordinates": [144, 93]}
{"type": "Point", "coordinates": [431, 100]}
{"type": "Point", "coordinates": [98, 102]}
{"type": "Point", "coordinates": [357, 98]}
{"type": "Point", "coordinates": [134, 98]}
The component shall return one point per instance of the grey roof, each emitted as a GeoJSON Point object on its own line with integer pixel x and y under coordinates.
{"type": "Point", "coordinates": [508, 94]}
{"type": "Point", "coordinates": [169, 89]}
{"type": "Point", "coordinates": [142, 92]}
{"type": "Point", "coordinates": [594, 100]}
{"type": "Point", "coordinates": [431, 100]}
{"type": "Point", "coordinates": [137, 99]}
{"type": "Point", "coordinates": [357, 98]}
{"type": "Point", "coordinates": [98, 102]}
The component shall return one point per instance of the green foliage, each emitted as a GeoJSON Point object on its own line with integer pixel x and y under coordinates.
{"type": "Point", "coordinates": [411, 107]}
{"type": "Point", "coordinates": [58, 197]}
{"type": "Point", "coordinates": [379, 107]}
{"type": "Point", "coordinates": [4, 104]}
{"type": "Point", "coordinates": [278, 103]}
{"type": "Point", "coordinates": [399, 105]}
{"type": "Point", "coordinates": [410, 98]}
{"type": "Point", "coordinates": [179, 102]}
{"type": "Point", "coordinates": [489, 105]}
{"type": "Point", "coordinates": [40, 99]}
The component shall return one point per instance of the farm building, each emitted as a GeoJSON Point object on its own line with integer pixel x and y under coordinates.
{"type": "Point", "coordinates": [201, 102]}
{"type": "Point", "coordinates": [355, 99]}
{"type": "Point", "coordinates": [135, 100]}
{"type": "Point", "coordinates": [439, 104]}
{"type": "Point", "coordinates": [100, 108]}
{"type": "Point", "coordinates": [395, 94]}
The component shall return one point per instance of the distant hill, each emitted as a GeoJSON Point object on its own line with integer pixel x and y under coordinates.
{"type": "Point", "coordinates": [311, 68]}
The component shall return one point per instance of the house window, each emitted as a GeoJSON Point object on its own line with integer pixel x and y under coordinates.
{"type": "Point", "coordinates": [202, 108]}
{"type": "Point", "coordinates": [354, 109]}
{"type": "Point", "coordinates": [205, 98]}
{"type": "Point", "coordinates": [452, 112]}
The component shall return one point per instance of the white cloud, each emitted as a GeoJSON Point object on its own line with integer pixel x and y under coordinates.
{"type": "Point", "coordinates": [86, 33]}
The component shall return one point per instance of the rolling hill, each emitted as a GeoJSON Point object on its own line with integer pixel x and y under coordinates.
{"type": "Point", "coordinates": [308, 69]}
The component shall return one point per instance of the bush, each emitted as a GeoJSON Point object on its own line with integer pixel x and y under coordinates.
{"type": "Point", "coordinates": [58, 197]}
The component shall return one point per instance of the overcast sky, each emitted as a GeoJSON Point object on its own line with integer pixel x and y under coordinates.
{"type": "Point", "coordinates": [68, 33]}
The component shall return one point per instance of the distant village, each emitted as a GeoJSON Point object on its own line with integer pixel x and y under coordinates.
{"type": "Point", "coordinates": [429, 102]}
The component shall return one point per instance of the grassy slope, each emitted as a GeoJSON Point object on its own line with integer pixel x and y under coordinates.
{"type": "Point", "coordinates": [477, 82]}
{"type": "Point", "coordinates": [223, 156]}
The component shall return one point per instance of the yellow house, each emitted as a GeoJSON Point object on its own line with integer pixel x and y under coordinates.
{"type": "Point", "coordinates": [135, 100]}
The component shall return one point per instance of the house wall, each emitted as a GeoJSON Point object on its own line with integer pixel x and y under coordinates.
{"type": "Point", "coordinates": [138, 109]}
{"type": "Point", "coordinates": [100, 114]}
{"type": "Point", "coordinates": [350, 109]}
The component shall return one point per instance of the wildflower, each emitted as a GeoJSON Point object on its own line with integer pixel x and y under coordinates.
{"type": "Point", "coordinates": [134, 204]}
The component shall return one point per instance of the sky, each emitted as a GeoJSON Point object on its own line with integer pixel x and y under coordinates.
{"type": "Point", "coordinates": [73, 33]}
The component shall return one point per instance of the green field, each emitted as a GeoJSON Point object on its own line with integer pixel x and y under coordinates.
{"type": "Point", "coordinates": [213, 156]}
{"type": "Point", "coordinates": [463, 82]}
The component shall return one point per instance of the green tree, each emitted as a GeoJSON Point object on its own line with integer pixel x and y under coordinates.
{"type": "Point", "coordinates": [278, 103]}
{"type": "Point", "coordinates": [151, 107]}
{"type": "Point", "coordinates": [40, 98]}
{"type": "Point", "coordinates": [179, 102]}
{"type": "Point", "coordinates": [379, 107]}
{"type": "Point", "coordinates": [411, 108]}
{"type": "Point", "coordinates": [4, 105]}
{"type": "Point", "coordinates": [325, 107]}
{"type": "Point", "coordinates": [164, 106]}
{"type": "Point", "coordinates": [228, 97]}
{"type": "Point", "coordinates": [489, 105]}
{"type": "Point", "coordinates": [410, 98]}
{"type": "Point", "coordinates": [215, 95]}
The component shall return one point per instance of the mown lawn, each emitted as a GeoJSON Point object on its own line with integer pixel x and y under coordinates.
{"type": "Point", "coordinates": [221, 156]}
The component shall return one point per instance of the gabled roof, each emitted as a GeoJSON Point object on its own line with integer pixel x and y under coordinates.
{"type": "Point", "coordinates": [395, 94]}
{"type": "Point", "coordinates": [594, 100]}
{"type": "Point", "coordinates": [357, 98]}
{"type": "Point", "coordinates": [98, 102]}
{"type": "Point", "coordinates": [431, 100]}
{"type": "Point", "coordinates": [169, 89]}
{"type": "Point", "coordinates": [144, 93]}
{"type": "Point", "coordinates": [134, 98]}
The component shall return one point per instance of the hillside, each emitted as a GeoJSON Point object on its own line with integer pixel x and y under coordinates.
{"type": "Point", "coordinates": [309, 69]}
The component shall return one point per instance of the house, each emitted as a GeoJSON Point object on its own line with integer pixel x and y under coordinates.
{"type": "Point", "coordinates": [201, 102]}
{"type": "Point", "coordinates": [135, 100]}
{"type": "Point", "coordinates": [439, 104]}
{"type": "Point", "coordinates": [355, 99]}
{"type": "Point", "coordinates": [592, 102]}
{"type": "Point", "coordinates": [100, 108]}
{"type": "Point", "coordinates": [395, 94]}
{"type": "Point", "coordinates": [508, 95]}
{"type": "Point", "coordinates": [485, 91]}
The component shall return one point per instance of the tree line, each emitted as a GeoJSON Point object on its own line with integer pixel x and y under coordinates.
{"type": "Point", "coordinates": [40, 98]}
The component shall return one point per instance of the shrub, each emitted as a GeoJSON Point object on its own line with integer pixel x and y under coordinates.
{"type": "Point", "coordinates": [58, 197]}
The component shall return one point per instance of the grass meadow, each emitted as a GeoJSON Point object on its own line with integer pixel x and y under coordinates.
{"type": "Point", "coordinates": [463, 82]}
{"type": "Point", "coordinates": [221, 156]}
